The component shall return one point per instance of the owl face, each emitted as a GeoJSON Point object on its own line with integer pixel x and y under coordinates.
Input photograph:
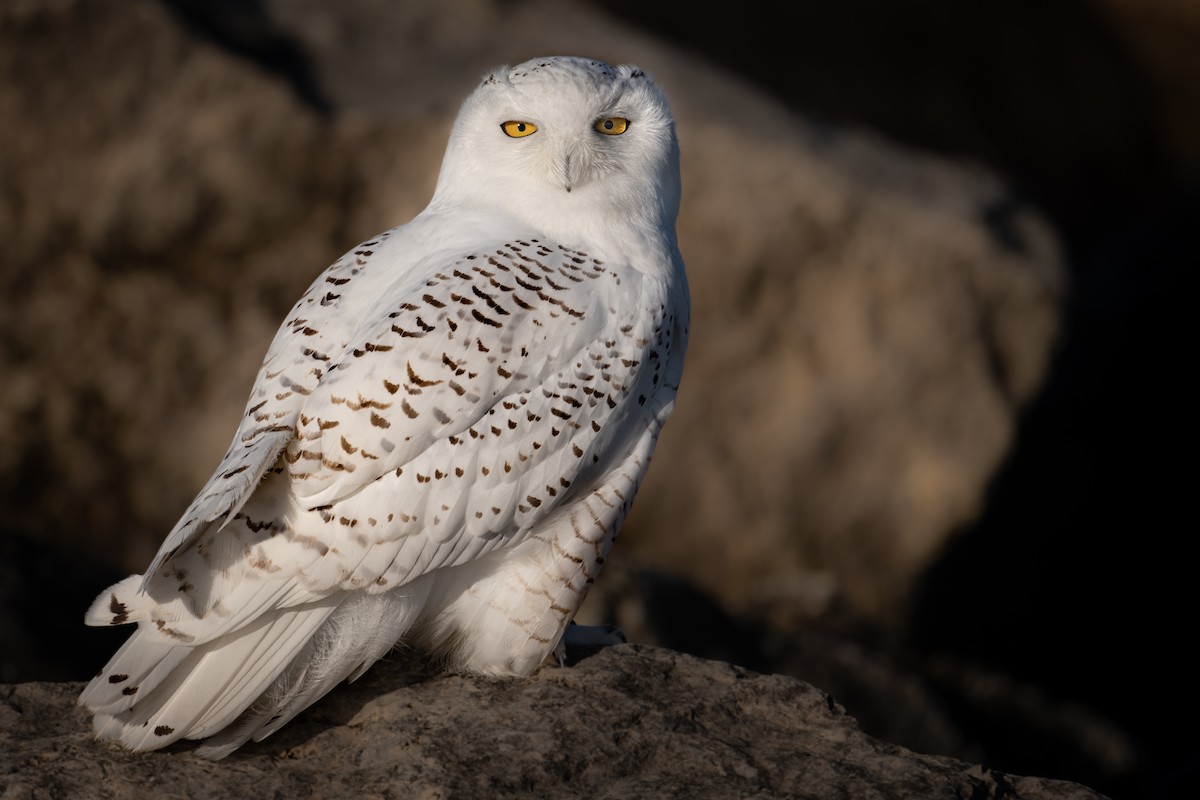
{"type": "Point", "coordinates": [572, 143]}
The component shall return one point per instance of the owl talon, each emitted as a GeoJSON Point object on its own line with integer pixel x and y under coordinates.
{"type": "Point", "coordinates": [560, 652]}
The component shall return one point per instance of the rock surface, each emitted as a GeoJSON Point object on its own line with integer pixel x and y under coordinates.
{"type": "Point", "coordinates": [628, 722]}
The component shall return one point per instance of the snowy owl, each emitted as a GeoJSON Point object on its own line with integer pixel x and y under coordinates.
{"type": "Point", "coordinates": [445, 434]}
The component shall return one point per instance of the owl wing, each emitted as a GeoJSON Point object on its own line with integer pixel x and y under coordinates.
{"type": "Point", "coordinates": [436, 361]}
{"type": "Point", "coordinates": [463, 417]}
{"type": "Point", "coordinates": [440, 378]}
{"type": "Point", "coordinates": [316, 326]}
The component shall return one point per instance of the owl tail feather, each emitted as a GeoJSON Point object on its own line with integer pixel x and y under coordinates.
{"type": "Point", "coordinates": [120, 604]}
{"type": "Point", "coordinates": [247, 683]}
{"type": "Point", "coordinates": [152, 693]}
{"type": "Point", "coordinates": [362, 630]}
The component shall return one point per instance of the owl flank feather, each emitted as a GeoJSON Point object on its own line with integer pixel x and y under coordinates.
{"type": "Point", "coordinates": [445, 435]}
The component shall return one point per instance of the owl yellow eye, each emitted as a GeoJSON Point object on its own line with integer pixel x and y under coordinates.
{"type": "Point", "coordinates": [612, 126]}
{"type": "Point", "coordinates": [517, 129]}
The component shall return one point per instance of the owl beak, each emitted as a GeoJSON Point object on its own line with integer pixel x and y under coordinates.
{"type": "Point", "coordinates": [570, 168]}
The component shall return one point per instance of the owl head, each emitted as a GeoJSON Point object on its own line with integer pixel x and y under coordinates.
{"type": "Point", "coordinates": [571, 146]}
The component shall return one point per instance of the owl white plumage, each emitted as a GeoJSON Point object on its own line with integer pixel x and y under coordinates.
{"type": "Point", "coordinates": [445, 434]}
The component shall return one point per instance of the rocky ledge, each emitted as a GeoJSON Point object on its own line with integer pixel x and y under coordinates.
{"type": "Point", "coordinates": [628, 721]}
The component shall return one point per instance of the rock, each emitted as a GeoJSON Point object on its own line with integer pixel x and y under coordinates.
{"type": "Point", "coordinates": [155, 210]}
{"type": "Point", "coordinates": [868, 321]}
{"type": "Point", "coordinates": [952, 706]}
{"type": "Point", "coordinates": [630, 721]}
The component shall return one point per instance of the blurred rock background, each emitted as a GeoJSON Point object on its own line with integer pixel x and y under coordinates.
{"type": "Point", "coordinates": [927, 451]}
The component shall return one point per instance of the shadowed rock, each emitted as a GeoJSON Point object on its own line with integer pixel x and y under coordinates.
{"type": "Point", "coordinates": [628, 722]}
